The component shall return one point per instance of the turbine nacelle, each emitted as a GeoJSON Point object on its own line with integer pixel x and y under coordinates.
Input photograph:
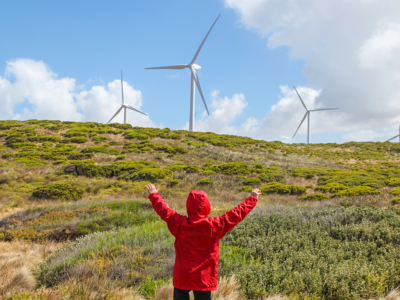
{"type": "Point", "coordinates": [196, 67]}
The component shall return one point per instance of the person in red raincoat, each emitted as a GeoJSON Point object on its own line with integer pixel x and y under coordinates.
{"type": "Point", "coordinates": [197, 240]}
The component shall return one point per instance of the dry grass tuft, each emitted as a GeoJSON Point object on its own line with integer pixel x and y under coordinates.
{"type": "Point", "coordinates": [228, 289]}
{"type": "Point", "coordinates": [393, 295]}
{"type": "Point", "coordinates": [16, 260]}
{"type": "Point", "coordinates": [164, 292]}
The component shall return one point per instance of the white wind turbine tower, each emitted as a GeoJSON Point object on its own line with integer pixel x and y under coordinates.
{"type": "Point", "coordinates": [395, 136]}
{"type": "Point", "coordinates": [125, 106]}
{"type": "Point", "coordinates": [194, 80]}
{"type": "Point", "coordinates": [308, 112]}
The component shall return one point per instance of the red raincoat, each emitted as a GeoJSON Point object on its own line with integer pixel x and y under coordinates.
{"type": "Point", "coordinates": [197, 238]}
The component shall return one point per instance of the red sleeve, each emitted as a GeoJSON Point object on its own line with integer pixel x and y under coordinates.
{"type": "Point", "coordinates": [223, 224]}
{"type": "Point", "coordinates": [168, 215]}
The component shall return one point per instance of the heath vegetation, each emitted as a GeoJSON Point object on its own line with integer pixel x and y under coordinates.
{"type": "Point", "coordinates": [75, 220]}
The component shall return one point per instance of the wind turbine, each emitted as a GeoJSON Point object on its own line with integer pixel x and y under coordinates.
{"type": "Point", "coordinates": [307, 115]}
{"type": "Point", "coordinates": [125, 106]}
{"type": "Point", "coordinates": [395, 136]}
{"type": "Point", "coordinates": [194, 79]}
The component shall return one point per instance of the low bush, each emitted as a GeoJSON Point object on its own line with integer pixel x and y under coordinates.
{"type": "Point", "coordinates": [173, 182]}
{"type": "Point", "coordinates": [94, 149]}
{"type": "Point", "coordinates": [232, 168]}
{"type": "Point", "coordinates": [132, 134]}
{"type": "Point", "coordinates": [246, 188]}
{"type": "Point", "coordinates": [120, 157]}
{"type": "Point", "coordinates": [316, 196]}
{"type": "Point", "coordinates": [392, 181]}
{"type": "Point", "coordinates": [60, 191]}
{"type": "Point", "coordinates": [7, 155]}
{"type": "Point", "coordinates": [78, 139]}
{"type": "Point", "coordinates": [113, 151]}
{"type": "Point", "coordinates": [332, 187]}
{"type": "Point", "coordinates": [272, 178]}
{"type": "Point", "coordinates": [205, 181]}
{"type": "Point", "coordinates": [252, 181]}
{"type": "Point", "coordinates": [279, 188]}
{"type": "Point", "coordinates": [99, 138]}
{"type": "Point", "coordinates": [170, 135]}
{"type": "Point", "coordinates": [30, 161]}
{"type": "Point", "coordinates": [151, 174]}
{"type": "Point", "coordinates": [192, 169]}
{"type": "Point", "coordinates": [396, 200]}
{"type": "Point", "coordinates": [358, 191]}
{"type": "Point", "coordinates": [395, 191]}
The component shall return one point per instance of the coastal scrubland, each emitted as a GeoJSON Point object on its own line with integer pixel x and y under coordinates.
{"type": "Point", "coordinates": [75, 222]}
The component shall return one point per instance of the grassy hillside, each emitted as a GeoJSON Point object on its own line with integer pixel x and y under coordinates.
{"type": "Point", "coordinates": [326, 226]}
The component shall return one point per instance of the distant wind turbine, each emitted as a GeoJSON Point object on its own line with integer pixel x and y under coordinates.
{"type": "Point", "coordinates": [307, 115]}
{"type": "Point", "coordinates": [195, 80]}
{"type": "Point", "coordinates": [125, 106]}
{"type": "Point", "coordinates": [395, 136]}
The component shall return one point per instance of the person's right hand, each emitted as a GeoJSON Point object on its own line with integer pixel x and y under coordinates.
{"type": "Point", "coordinates": [151, 188]}
{"type": "Point", "coordinates": [255, 193]}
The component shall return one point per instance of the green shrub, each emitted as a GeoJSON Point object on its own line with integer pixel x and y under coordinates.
{"type": "Point", "coordinates": [173, 182]}
{"type": "Point", "coordinates": [396, 200]}
{"type": "Point", "coordinates": [279, 188]}
{"type": "Point", "coordinates": [392, 181]}
{"type": "Point", "coordinates": [205, 181]}
{"type": "Point", "coordinates": [252, 181]}
{"type": "Point", "coordinates": [309, 186]}
{"type": "Point", "coordinates": [94, 149]}
{"type": "Point", "coordinates": [332, 187]}
{"type": "Point", "coordinates": [316, 196]}
{"type": "Point", "coordinates": [78, 139]}
{"type": "Point", "coordinates": [30, 161]}
{"type": "Point", "coordinates": [170, 135]}
{"type": "Point", "coordinates": [44, 138]}
{"type": "Point", "coordinates": [159, 157]}
{"type": "Point", "coordinates": [246, 189]}
{"type": "Point", "coordinates": [60, 191]}
{"type": "Point", "coordinates": [272, 178]}
{"type": "Point", "coordinates": [132, 134]}
{"type": "Point", "coordinates": [357, 191]}
{"type": "Point", "coordinates": [99, 138]}
{"type": "Point", "coordinates": [120, 157]}
{"type": "Point", "coordinates": [177, 167]}
{"type": "Point", "coordinates": [7, 155]}
{"type": "Point", "coordinates": [151, 174]}
{"type": "Point", "coordinates": [232, 168]}
{"type": "Point", "coordinates": [113, 151]}
{"type": "Point", "coordinates": [192, 169]}
{"type": "Point", "coordinates": [207, 172]}
{"type": "Point", "coordinates": [113, 143]}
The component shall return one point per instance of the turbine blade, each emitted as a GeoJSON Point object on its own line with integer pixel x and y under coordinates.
{"type": "Point", "coordinates": [324, 109]}
{"type": "Point", "coordinates": [202, 43]}
{"type": "Point", "coordinates": [300, 124]}
{"type": "Point", "coordinates": [393, 138]}
{"type": "Point", "coordinates": [302, 102]}
{"type": "Point", "coordinates": [199, 87]}
{"type": "Point", "coordinates": [122, 89]}
{"type": "Point", "coordinates": [130, 107]}
{"type": "Point", "coordinates": [175, 67]}
{"type": "Point", "coordinates": [115, 114]}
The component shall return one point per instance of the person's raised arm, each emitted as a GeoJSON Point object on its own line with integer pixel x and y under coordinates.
{"type": "Point", "coordinates": [223, 224]}
{"type": "Point", "coordinates": [162, 209]}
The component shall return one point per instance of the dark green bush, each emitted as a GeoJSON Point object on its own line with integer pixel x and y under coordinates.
{"type": "Point", "coordinates": [358, 191]}
{"type": "Point", "coordinates": [232, 168]}
{"type": "Point", "coordinates": [392, 181]}
{"type": "Point", "coordinates": [316, 196]}
{"type": "Point", "coordinates": [246, 188]}
{"type": "Point", "coordinates": [205, 181]}
{"type": "Point", "coordinates": [113, 151]}
{"type": "Point", "coordinates": [173, 182]}
{"type": "Point", "coordinates": [78, 139]}
{"type": "Point", "coordinates": [170, 135]}
{"type": "Point", "coordinates": [192, 169]}
{"type": "Point", "coordinates": [7, 155]}
{"type": "Point", "coordinates": [279, 188]}
{"type": "Point", "coordinates": [94, 149]}
{"type": "Point", "coordinates": [272, 178]}
{"type": "Point", "coordinates": [99, 138]}
{"type": "Point", "coordinates": [120, 157]}
{"type": "Point", "coordinates": [252, 181]}
{"type": "Point", "coordinates": [132, 134]}
{"type": "Point", "coordinates": [44, 138]}
{"type": "Point", "coordinates": [396, 200]}
{"type": "Point", "coordinates": [60, 191]}
{"type": "Point", "coordinates": [332, 187]}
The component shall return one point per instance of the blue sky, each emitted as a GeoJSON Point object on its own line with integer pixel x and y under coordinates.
{"type": "Point", "coordinates": [250, 62]}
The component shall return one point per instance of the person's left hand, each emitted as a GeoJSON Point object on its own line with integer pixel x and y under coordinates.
{"type": "Point", "coordinates": [151, 188]}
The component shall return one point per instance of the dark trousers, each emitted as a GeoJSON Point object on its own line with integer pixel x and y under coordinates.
{"type": "Point", "coordinates": [184, 294]}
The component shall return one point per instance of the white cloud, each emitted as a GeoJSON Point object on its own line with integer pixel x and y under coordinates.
{"type": "Point", "coordinates": [223, 113]}
{"type": "Point", "coordinates": [36, 86]}
{"type": "Point", "coordinates": [351, 50]}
